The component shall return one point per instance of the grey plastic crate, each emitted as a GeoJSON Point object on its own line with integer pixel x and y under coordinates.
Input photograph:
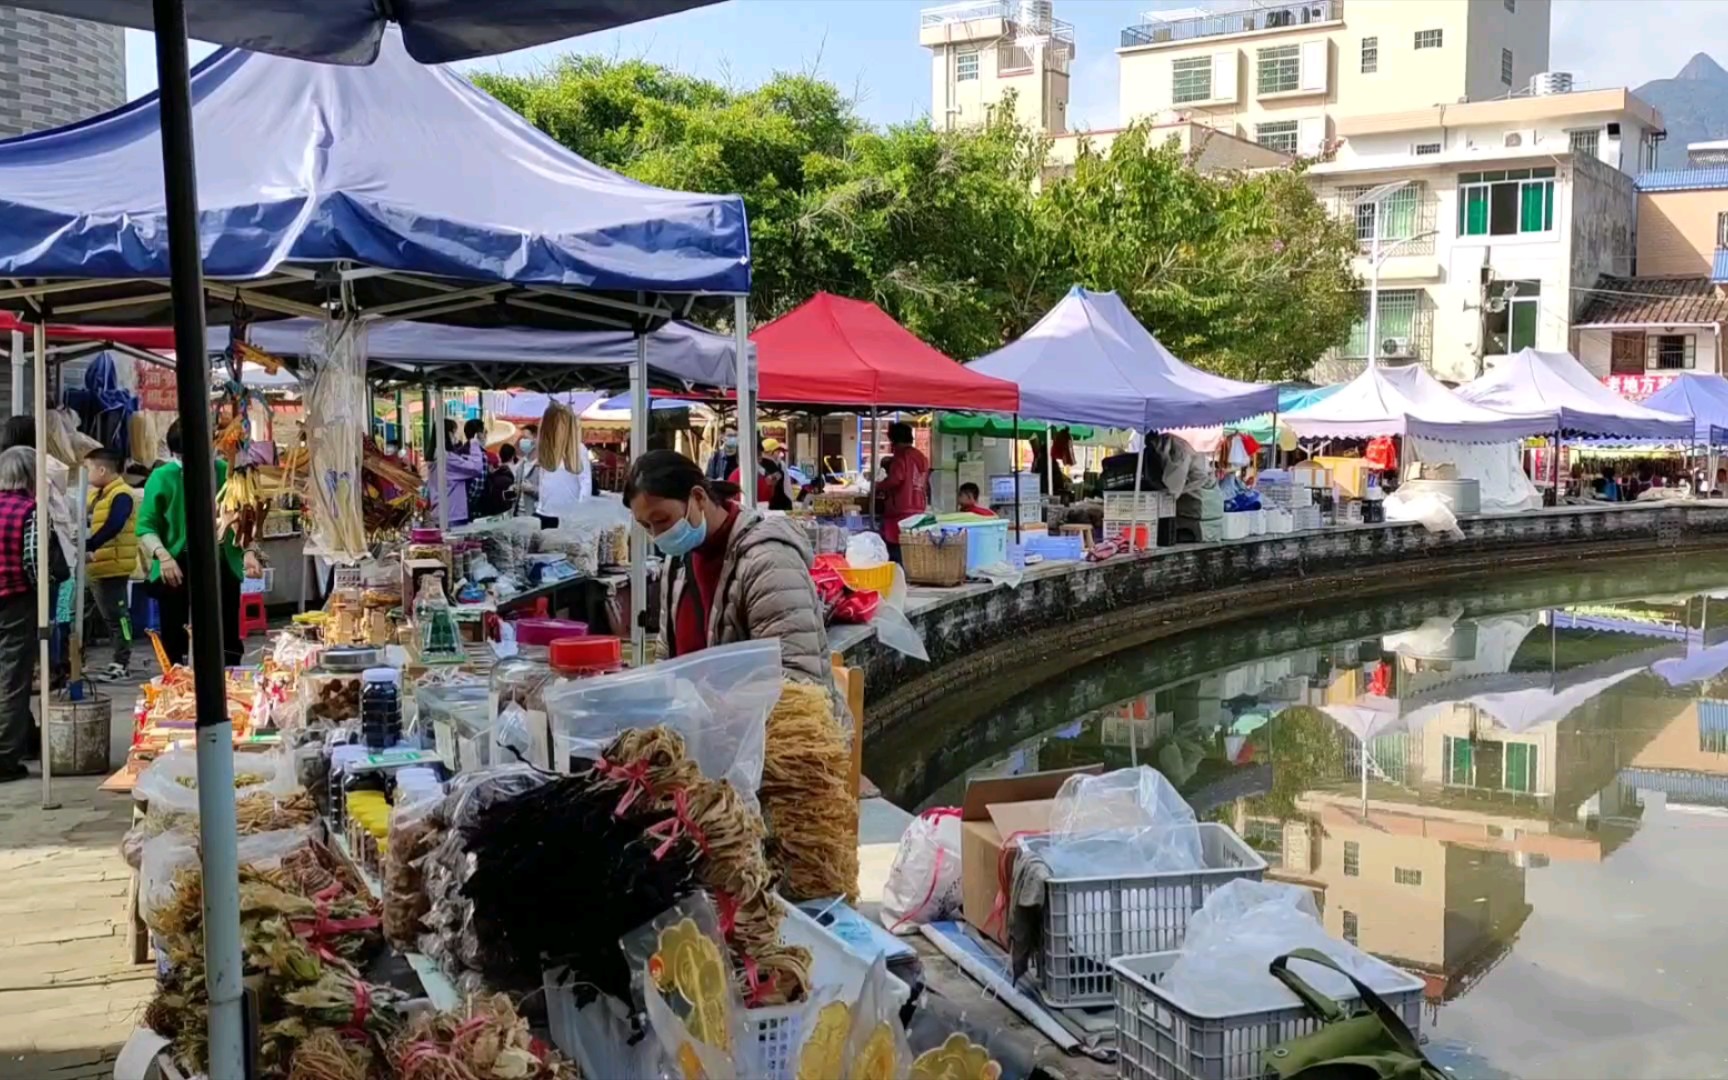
{"type": "Point", "coordinates": [1157, 1038]}
{"type": "Point", "coordinates": [1090, 921]}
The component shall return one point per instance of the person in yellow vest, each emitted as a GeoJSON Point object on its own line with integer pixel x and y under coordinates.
{"type": "Point", "coordinates": [113, 554]}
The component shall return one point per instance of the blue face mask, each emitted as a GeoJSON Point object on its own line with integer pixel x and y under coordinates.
{"type": "Point", "coordinates": [682, 538]}
{"type": "Point", "coordinates": [525, 444]}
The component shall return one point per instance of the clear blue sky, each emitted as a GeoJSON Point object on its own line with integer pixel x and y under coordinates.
{"type": "Point", "coordinates": [870, 47]}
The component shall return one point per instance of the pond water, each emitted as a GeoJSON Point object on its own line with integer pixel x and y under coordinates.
{"type": "Point", "coordinates": [1516, 788]}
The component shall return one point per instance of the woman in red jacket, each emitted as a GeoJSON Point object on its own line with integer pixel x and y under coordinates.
{"type": "Point", "coordinates": [906, 489]}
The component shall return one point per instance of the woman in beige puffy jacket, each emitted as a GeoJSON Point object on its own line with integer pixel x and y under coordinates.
{"type": "Point", "coordinates": [731, 574]}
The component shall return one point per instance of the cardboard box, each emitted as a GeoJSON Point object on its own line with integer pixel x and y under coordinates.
{"type": "Point", "coordinates": [993, 810]}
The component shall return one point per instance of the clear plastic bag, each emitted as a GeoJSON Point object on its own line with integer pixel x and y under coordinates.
{"type": "Point", "coordinates": [924, 881]}
{"type": "Point", "coordinates": [717, 699]}
{"type": "Point", "coordinates": [866, 549]}
{"type": "Point", "coordinates": [170, 784]}
{"type": "Point", "coordinates": [893, 628]}
{"type": "Point", "coordinates": [682, 972]}
{"type": "Point", "coordinates": [876, 1045]}
{"type": "Point", "coordinates": [1245, 925]}
{"type": "Point", "coordinates": [1131, 821]}
{"type": "Point", "coordinates": [166, 855]}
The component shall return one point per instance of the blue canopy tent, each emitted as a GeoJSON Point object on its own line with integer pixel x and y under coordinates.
{"type": "Point", "coordinates": [569, 239]}
{"type": "Point", "coordinates": [1702, 397]}
{"type": "Point", "coordinates": [680, 356]}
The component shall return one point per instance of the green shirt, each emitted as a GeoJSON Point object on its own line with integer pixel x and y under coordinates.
{"type": "Point", "coordinates": [163, 514]}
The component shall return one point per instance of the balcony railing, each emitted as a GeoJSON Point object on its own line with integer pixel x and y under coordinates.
{"type": "Point", "coordinates": [1153, 30]}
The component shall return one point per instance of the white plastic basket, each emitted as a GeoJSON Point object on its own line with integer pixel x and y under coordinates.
{"type": "Point", "coordinates": [833, 964]}
{"type": "Point", "coordinates": [1158, 1037]}
{"type": "Point", "coordinates": [1091, 921]}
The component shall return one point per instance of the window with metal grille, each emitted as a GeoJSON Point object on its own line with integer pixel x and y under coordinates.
{"type": "Point", "coordinates": [1671, 352]}
{"type": "Point", "coordinates": [1584, 142]}
{"type": "Point", "coordinates": [1429, 39]}
{"type": "Point", "coordinates": [1398, 329]}
{"type": "Point", "coordinates": [1350, 927]}
{"type": "Point", "coordinates": [1722, 230]}
{"type": "Point", "coordinates": [1396, 216]}
{"type": "Point", "coordinates": [1279, 135]}
{"type": "Point", "coordinates": [1506, 202]}
{"type": "Point", "coordinates": [1370, 55]}
{"type": "Point", "coordinates": [1506, 66]}
{"type": "Point", "coordinates": [1352, 859]}
{"type": "Point", "coordinates": [966, 65]}
{"type": "Point", "coordinates": [1424, 149]}
{"type": "Point", "coordinates": [1278, 69]}
{"type": "Point", "coordinates": [1401, 876]}
{"type": "Point", "coordinates": [1191, 79]}
{"type": "Point", "coordinates": [1011, 57]}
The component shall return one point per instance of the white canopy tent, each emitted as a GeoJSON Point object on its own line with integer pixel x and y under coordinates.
{"type": "Point", "coordinates": [1556, 384]}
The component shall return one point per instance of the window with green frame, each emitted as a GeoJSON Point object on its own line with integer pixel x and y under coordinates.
{"type": "Point", "coordinates": [1460, 761]}
{"type": "Point", "coordinates": [1520, 768]}
{"type": "Point", "coordinates": [1506, 202]}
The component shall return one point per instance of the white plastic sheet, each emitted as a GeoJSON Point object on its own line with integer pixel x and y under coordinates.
{"type": "Point", "coordinates": [717, 699]}
{"type": "Point", "coordinates": [1429, 511]}
{"type": "Point", "coordinates": [866, 549]}
{"type": "Point", "coordinates": [1496, 468]}
{"type": "Point", "coordinates": [1131, 821]}
{"type": "Point", "coordinates": [1245, 925]}
{"type": "Point", "coordinates": [893, 628]}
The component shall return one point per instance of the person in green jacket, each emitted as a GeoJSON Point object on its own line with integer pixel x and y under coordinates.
{"type": "Point", "coordinates": [162, 541]}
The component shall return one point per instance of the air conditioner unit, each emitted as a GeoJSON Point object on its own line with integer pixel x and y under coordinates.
{"type": "Point", "coordinates": [1524, 137]}
{"type": "Point", "coordinates": [1395, 347]}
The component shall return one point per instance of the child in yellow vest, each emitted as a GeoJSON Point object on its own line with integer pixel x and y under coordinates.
{"type": "Point", "coordinates": [112, 552]}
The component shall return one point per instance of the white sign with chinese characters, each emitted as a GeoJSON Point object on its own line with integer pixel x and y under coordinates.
{"type": "Point", "coordinates": [1637, 387]}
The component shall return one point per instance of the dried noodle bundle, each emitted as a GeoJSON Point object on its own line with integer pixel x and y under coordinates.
{"type": "Point", "coordinates": [485, 1040]}
{"type": "Point", "coordinates": [650, 770]}
{"type": "Point", "coordinates": [807, 796]}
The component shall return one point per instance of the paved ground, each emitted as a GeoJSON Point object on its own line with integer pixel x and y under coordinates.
{"type": "Point", "coordinates": [69, 994]}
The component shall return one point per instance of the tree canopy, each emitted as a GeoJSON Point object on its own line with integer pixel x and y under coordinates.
{"type": "Point", "coordinates": [967, 237]}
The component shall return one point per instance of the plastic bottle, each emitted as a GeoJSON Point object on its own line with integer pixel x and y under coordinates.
{"type": "Point", "coordinates": [577, 658]}
{"type": "Point", "coordinates": [517, 680]}
{"type": "Point", "coordinates": [439, 639]}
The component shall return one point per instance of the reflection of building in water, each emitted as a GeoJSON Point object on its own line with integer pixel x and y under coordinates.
{"type": "Point", "coordinates": [1439, 893]}
{"type": "Point", "coordinates": [1687, 760]}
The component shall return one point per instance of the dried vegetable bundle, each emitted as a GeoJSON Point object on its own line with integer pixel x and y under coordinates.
{"type": "Point", "coordinates": [306, 925]}
{"type": "Point", "coordinates": [650, 774]}
{"type": "Point", "coordinates": [807, 798]}
{"type": "Point", "coordinates": [558, 878]}
{"type": "Point", "coordinates": [484, 1040]}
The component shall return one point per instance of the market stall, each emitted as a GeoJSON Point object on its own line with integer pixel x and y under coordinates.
{"type": "Point", "coordinates": [376, 223]}
{"type": "Point", "coordinates": [1583, 409]}
{"type": "Point", "coordinates": [1089, 361]}
{"type": "Point", "coordinates": [1437, 426]}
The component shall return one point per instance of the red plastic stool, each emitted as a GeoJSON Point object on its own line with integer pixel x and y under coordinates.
{"type": "Point", "coordinates": [252, 616]}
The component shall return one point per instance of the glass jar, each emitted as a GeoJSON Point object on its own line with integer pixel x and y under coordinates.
{"type": "Point", "coordinates": [440, 641]}
{"type": "Point", "coordinates": [380, 708]}
{"type": "Point", "coordinates": [516, 682]}
{"type": "Point", "coordinates": [573, 658]}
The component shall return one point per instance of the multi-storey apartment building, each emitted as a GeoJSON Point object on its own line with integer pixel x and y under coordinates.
{"type": "Point", "coordinates": [1511, 211]}
{"type": "Point", "coordinates": [982, 51]}
{"type": "Point", "coordinates": [1284, 74]}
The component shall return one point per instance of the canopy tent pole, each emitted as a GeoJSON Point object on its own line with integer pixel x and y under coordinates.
{"type": "Point", "coordinates": [1555, 468]}
{"type": "Point", "coordinates": [638, 535]}
{"type": "Point", "coordinates": [401, 422]}
{"type": "Point", "coordinates": [44, 530]}
{"type": "Point", "coordinates": [425, 426]}
{"type": "Point", "coordinates": [1134, 513]}
{"type": "Point", "coordinates": [76, 652]}
{"type": "Point", "coordinates": [1014, 467]}
{"type": "Point", "coordinates": [227, 1055]}
{"type": "Point", "coordinates": [18, 396]}
{"type": "Point", "coordinates": [875, 465]}
{"type": "Point", "coordinates": [1049, 461]}
{"type": "Point", "coordinates": [745, 376]}
{"type": "Point", "coordinates": [442, 450]}
{"type": "Point", "coordinates": [1272, 458]}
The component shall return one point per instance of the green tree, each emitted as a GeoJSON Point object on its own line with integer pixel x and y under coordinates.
{"type": "Point", "coordinates": [965, 236]}
{"type": "Point", "coordinates": [1245, 274]}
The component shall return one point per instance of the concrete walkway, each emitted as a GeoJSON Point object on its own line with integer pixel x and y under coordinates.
{"type": "Point", "coordinates": [69, 993]}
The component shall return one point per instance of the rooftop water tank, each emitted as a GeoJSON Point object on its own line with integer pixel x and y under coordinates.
{"type": "Point", "coordinates": [1035, 15]}
{"type": "Point", "coordinates": [1551, 82]}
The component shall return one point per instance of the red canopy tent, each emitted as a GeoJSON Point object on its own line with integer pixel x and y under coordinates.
{"type": "Point", "coordinates": [135, 336]}
{"type": "Point", "coordinates": [833, 351]}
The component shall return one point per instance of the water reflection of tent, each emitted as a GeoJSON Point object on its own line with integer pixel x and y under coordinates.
{"type": "Point", "coordinates": [1699, 663]}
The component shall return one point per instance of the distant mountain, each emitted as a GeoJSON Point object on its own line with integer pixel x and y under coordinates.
{"type": "Point", "coordinates": [1693, 104]}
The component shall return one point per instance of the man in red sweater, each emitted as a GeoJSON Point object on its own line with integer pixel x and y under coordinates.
{"type": "Point", "coordinates": [906, 489]}
{"type": "Point", "coordinates": [969, 495]}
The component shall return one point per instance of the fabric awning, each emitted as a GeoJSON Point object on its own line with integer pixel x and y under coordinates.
{"type": "Point", "coordinates": [830, 350]}
{"type": "Point", "coordinates": [1407, 401]}
{"type": "Point", "coordinates": [1702, 397]}
{"type": "Point", "coordinates": [1555, 383]}
{"type": "Point", "coordinates": [1089, 361]}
